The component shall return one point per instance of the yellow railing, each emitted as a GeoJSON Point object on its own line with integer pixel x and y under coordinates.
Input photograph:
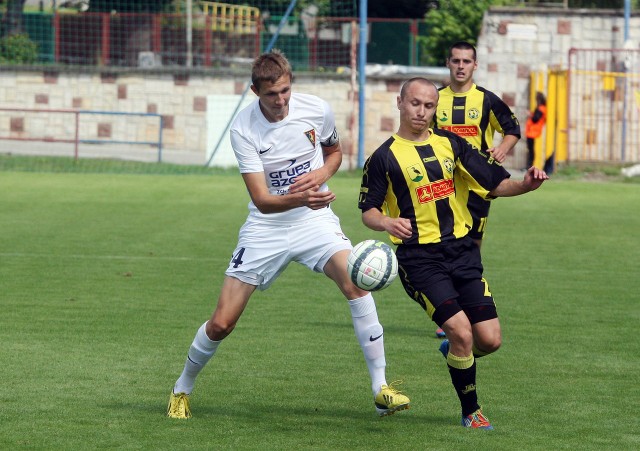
{"type": "Point", "coordinates": [555, 132]}
{"type": "Point", "coordinates": [557, 115]}
{"type": "Point", "coordinates": [594, 116]}
{"type": "Point", "coordinates": [232, 18]}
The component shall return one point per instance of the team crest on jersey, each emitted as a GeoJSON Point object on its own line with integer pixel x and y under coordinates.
{"type": "Point", "coordinates": [415, 173]}
{"type": "Point", "coordinates": [311, 136]}
{"type": "Point", "coordinates": [473, 113]}
{"type": "Point", "coordinates": [443, 116]}
{"type": "Point", "coordinates": [448, 165]}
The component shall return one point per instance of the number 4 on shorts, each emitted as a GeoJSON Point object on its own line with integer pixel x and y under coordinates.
{"type": "Point", "coordinates": [237, 258]}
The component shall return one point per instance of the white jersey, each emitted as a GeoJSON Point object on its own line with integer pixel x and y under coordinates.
{"type": "Point", "coordinates": [283, 150]}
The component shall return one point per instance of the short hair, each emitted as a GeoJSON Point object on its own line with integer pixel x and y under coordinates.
{"type": "Point", "coordinates": [270, 67]}
{"type": "Point", "coordinates": [462, 45]}
{"type": "Point", "coordinates": [423, 80]}
{"type": "Point", "coordinates": [540, 98]}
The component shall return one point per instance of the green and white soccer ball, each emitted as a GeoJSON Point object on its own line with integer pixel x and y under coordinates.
{"type": "Point", "coordinates": [372, 265]}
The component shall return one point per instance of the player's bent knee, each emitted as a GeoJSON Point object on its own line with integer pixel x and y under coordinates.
{"type": "Point", "coordinates": [217, 330]}
{"type": "Point", "coordinates": [460, 336]}
{"type": "Point", "coordinates": [485, 345]}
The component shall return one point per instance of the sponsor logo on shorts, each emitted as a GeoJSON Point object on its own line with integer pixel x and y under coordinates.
{"type": "Point", "coordinates": [434, 191]}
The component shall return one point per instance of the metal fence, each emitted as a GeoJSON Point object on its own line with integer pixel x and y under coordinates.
{"type": "Point", "coordinates": [604, 105]}
{"type": "Point", "coordinates": [593, 108]}
{"type": "Point", "coordinates": [216, 38]}
{"type": "Point", "coordinates": [27, 124]}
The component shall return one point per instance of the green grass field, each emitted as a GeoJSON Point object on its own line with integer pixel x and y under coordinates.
{"type": "Point", "coordinates": [104, 279]}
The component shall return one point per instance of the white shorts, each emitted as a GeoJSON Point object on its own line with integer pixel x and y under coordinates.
{"type": "Point", "coordinates": [265, 250]}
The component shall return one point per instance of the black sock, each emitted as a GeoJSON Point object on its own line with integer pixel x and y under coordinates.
{"type": "Point", "coordinates": [464, 382]}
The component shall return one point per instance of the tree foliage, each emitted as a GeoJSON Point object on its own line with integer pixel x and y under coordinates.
{"type": "Point", "coordinates": [455, 20]}
{"type": "Point", "coordinates": [18, 49]}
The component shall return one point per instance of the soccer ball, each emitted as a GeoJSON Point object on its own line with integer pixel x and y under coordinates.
{"type": "Point", "coordinates": [372, 265]}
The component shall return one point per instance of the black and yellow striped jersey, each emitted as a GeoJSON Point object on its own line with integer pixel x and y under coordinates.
{"type": "Point", "coordinates": [476, 115]}
{"type": "Point", "coordinates": [428, 182]}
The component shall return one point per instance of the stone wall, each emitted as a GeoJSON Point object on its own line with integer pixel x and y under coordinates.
{"type": "Point", "coordinates": [516, 41]}
{"type": "Point", "coordinates": [513, 42]}
{"type": "Point", "coordinates": [180, 99]}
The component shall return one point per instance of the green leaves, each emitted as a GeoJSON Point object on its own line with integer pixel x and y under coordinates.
{"type": "Point", "coordinates": [18, 49]}
{"type": "Point", "coordinates": [455, 20]}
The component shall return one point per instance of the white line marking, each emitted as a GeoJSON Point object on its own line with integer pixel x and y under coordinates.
{"type": "Point", "coordinates": [105, 257]}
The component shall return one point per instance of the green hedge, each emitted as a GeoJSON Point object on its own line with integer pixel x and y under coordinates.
{"type": "Point", "coordinates": [18, 49]}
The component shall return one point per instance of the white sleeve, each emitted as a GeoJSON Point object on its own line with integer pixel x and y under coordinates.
{"type": "Point", "coordinates": [329, 133]}
{"type": "Point", "coordinates": [245, 151]}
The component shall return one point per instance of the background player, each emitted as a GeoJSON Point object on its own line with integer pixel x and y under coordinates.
{"type": "Point", "coordinates": [414, 187]}
{"type": "Point", "coordinates": [287, 148]}
{"type": "Point", "coordinates": [475, 114]}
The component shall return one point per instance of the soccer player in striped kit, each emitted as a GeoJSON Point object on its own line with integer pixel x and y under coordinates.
{"type": "Point", "coordinates": [415, 187]}
{"type": "Point", "coordinates": [476, 114]}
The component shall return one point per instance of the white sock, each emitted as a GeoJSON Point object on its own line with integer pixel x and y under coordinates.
{"type": "Point", "coordinates": [369, 333]}
{"type": "Point", "coordinates": [200, 352]}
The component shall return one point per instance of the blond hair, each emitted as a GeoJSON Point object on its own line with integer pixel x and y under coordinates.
{"type": "Point", "coordinates": [270, 67]}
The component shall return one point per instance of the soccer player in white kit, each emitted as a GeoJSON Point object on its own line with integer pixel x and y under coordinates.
{"type": "Point", "coordinates": [287, 148]}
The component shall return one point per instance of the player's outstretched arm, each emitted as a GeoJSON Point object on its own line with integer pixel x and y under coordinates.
{"type": "Point", "coordinates": [532, 180]}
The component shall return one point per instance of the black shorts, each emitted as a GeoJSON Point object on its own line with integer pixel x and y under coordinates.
{"type": "Point", "coordinates": [479, 209]}
{"type": "Point", "coordinates": [446, 278]}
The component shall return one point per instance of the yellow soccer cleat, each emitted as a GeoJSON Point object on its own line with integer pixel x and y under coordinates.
{"type": "Point", "coordinates": [179, 406]}
{"type": "Point", "coordinates": [390, 400]}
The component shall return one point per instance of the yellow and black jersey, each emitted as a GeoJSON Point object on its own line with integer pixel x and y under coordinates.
{"type": "Point", "coordinates": [476, 115]}
{"type": "Point", "coordinates": [428, 182]}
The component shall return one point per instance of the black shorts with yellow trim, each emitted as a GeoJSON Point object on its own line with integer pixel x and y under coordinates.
{"type": "Point", "coordinates": [446, 278]}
